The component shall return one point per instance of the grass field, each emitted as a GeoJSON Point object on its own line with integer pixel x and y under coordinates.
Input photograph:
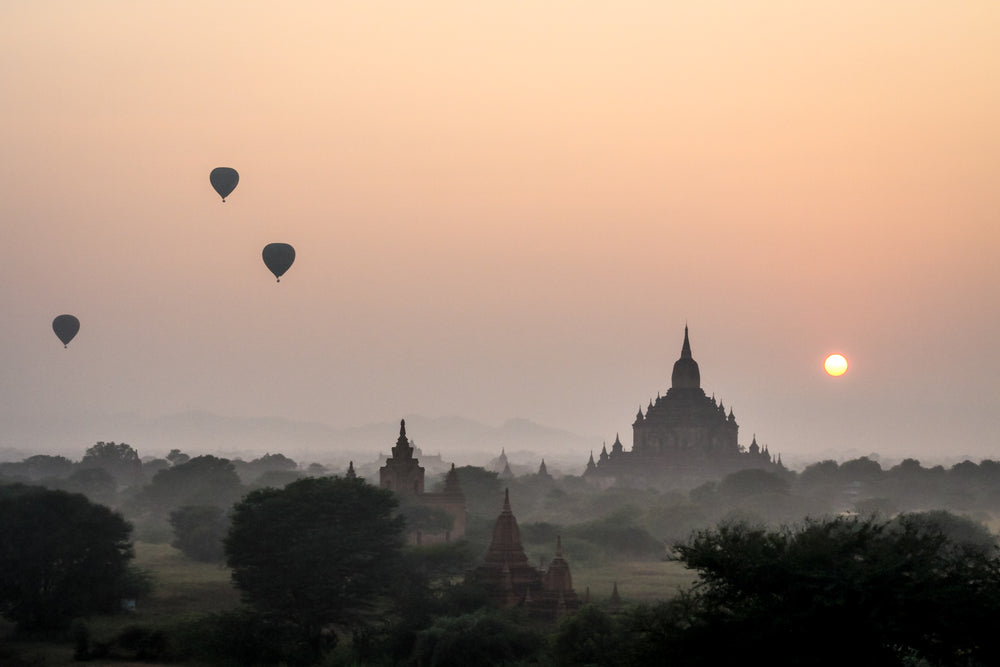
{"type": "Point", "coordinates": [638, 582]}
{"type": "Point", "coordinates": [182, 585]}
{"type": "Point", "coordinates": [184, 589]}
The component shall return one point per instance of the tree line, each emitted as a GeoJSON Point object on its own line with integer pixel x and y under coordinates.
{"type": "Point", "coordinates": [325, 579]}
{"type": "Point", "coordinates": [185, 500]}
{"type": "Point", "coordinates": [836, 563]}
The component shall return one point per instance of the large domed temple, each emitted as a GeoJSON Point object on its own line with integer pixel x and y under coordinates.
{"type": "Point", "coordinates": [684, 438]}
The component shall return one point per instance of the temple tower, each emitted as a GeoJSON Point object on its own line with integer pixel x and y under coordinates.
{"type": "Point", "coordinates": [685, 423]}
{"type": "Point", "coordinates": [402, 473]}
{"type": "Point", "coordinates": [511, 580]}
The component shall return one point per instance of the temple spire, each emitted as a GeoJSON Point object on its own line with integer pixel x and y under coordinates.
{"type": "Point", "coordinates": [402, 450]}
{"type": "Point", "coordinates": [686, 374]}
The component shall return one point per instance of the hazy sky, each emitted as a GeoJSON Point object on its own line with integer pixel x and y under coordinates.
{"type": "Point", "coordinates": [508, 209]}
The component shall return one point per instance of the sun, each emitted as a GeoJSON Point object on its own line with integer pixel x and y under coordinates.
{"type": "Point", "coordinates": [835, 365]}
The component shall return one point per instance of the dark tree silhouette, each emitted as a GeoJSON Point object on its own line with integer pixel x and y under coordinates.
{"type": "Point", "coordinates": [480, 638]}
{"type": "Point", "coordinates": [249, 472]}
{"type": "Point", "coordinates": [199, 531]}
{"type": "Point", "coordinates": [318, 554]}
{"type": "Point", "coordinates": [121, 460]}
{"type": "Point", "coordinates": [481, 488]}
{"type": "Point", "coordinates": [39, 466]}
{"type": "Point", "coordinates": [60, 556]}
{"type": "Point", "coordinates": [746, 483]}
{"type": "Point", "coordinates": [276, 479]}
{"type": "Point", "coordinates": [96, 483]}
{"type": "Point", "coordinates": [590, 636]}
{"type": "Point", "coordinates": [177, 457]}
{"type": "Point", "coordinates": [844, 591]}
{"type": "Point", "coordinates": [203, 480]}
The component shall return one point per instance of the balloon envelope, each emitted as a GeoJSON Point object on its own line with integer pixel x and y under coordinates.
{"type": "Point", "coordinates": [224, 180]}
{"type": "Point", "coordinates": [278, 257]}
{"type": "Point", "coordinates": [65, 327]}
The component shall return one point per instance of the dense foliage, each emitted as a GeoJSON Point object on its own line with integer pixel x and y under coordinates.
{"type": "Point", "coordinates": [918, 589]}
{"type": "Point", "coordinates": [317, 554]}
{"type": "Point", "coordinates": [203, 480]}
{"type": "Point", "coordinates": [862, 589]}
{"type": "Point", "coordinates": [119, 459]}
{"type": "Point", "coordinates": [483, 637]}
{"type": "Point", "coordinates": [61, 556]}
{"type": "Point", "coordinates": [199, 531]}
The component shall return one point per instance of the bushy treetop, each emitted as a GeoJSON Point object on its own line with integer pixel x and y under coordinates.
{"type": "Point", "coordinates": [923, 585]}
{"type": "Point", "coordinates": [318, 553]}
{"type": "Point", "coordinates": [60, 556]}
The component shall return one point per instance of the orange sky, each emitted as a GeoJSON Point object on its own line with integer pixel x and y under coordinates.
{"type": "Point", "coordinates": [508, 210]}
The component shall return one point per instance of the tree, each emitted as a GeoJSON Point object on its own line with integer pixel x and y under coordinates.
{"type": "Point", "coordinates": [276, 479]}
{"type": "Point", "coordinates": [618, 533]}
{"type": "Point", "coordinates": [152, 466]}
{"type": "Point", "coordinates": [434, 586]}
{"type": "Point", "coordinates": [481, 488]}
{"type": "Point", "coordinates": [862, 469]}
{"type": "Point", "coordinates": [199, 531]}
{"type": "Point", "coordinates": [254, 469]}
{"type": "Point", "coordinates": [590, 636]}
{"type": "Point", "coordinates": [842, 591]}
{"type": "Point", "coordinates": [60, 556]}
{"type": "Point", "coordinates": [424, 518]}
{"type": "Point", "coordinates": [96, 483]}
{"type": "Point", "coordinates": [654, 634]}
{"type": "Point", "coordinates": [317, 554]}
{"type": "Point", "coordinates": [177, 457]}
{"type": "Point", "coordinates": [743, 484]}
{"type": "Point", "coordinates": [484, 637]}
{"type": "Point", "coordinates": [121, 460]}
{"type": "Point", "coordinates": [41, 466]}
{"type": "Point", "coordinates": [203, 480]}
{"type": "Point", "coordinates": [821, 473]}
{"type": "Point", "coordinates": [963, 535]}
{"type": "Point", "coordinates": [317, 470]}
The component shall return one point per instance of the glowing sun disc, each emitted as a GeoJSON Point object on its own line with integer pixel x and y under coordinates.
{"type": "Point", "coordinates": [835, 365]}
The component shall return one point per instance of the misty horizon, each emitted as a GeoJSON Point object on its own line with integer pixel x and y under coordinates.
{"type": "Point", "coordinates": [457, 439]}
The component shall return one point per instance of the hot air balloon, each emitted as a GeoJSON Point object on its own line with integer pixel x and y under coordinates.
{"type": "Point", "coordinates": [278, 257]}
{"type": "Point", "coordinates": [65, 327]}
{"type": "Point", "coordinates": [224, 180]}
